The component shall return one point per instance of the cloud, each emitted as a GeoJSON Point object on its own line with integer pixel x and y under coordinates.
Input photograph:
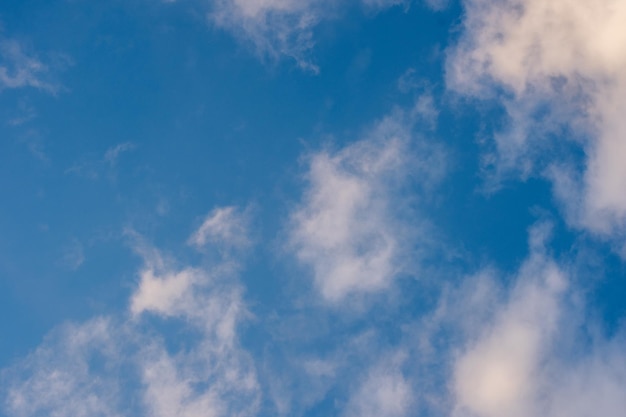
{"type": "Point", "coordinates": [437, 5]}
{"type": "Point", "coordinates": [112, 154]}
{"type": "Point", "coordinates": [352, 227]}
{"type": "Point", "coordinates": [356, 370]}
{"type": "Point", "coordinates": [278, 28]}
{"type": "Point", "coordinates": [73, 255]}
{"type": "Point", "coordinates": [59, 378]}
{"type": "Point", "coordinates": [384, 392]}
{"type": "Point", "coordinates": [225, 227]}
{"type": "Point", "coordinates": [495, 377]}
{"type": "Point", "coordinates": [19, 69]}
{"type": "Point", "coordinates": [25, 113]}
{"type": "Point", "coordinates": [105, 165]}
{"type": "Point", "coordinates": [205, 377]}
{"type": "Point", "coordinates": [559, 69]}
{"type": "Point", "coordinates": [132, 364]}
{"type": "Point", "coordinates": [530, 357]}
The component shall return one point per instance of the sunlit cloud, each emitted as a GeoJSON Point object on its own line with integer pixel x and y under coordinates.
{"type": "Point", "coordinates": [529, 356]}
{"type": "Point", "coordinates": [113, 365]}
{"type": "Point", "coordinates": [352, 228]}
{"type": "Point", "coordinates": [559, 69]}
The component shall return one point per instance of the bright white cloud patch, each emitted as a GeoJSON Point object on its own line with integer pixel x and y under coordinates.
{"type": "Point", "coordinates": [561, 63]}
{"type": "Point", "coordinates": [115, 366]}
{"type": "Point", "coordinates": [496, 376]}
{"type": "Point", "coordinates": [351, 228]}
{"type": "Point", "coordinates": [519, 363]}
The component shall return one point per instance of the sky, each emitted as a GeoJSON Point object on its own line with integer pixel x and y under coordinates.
{"type": "Point", "coordinates": [351, 208]}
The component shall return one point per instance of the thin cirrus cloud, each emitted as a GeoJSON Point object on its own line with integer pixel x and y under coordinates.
{"type": "Point", "coordinates": [20, 69]}
{"type": "Point", "coordinates": [113, 365]}
{"type": "Point", "coordinates": [353, 228]}
{"type": "Point", "coordinates": [282, 28]}
{"type": "Point", "coordinates": [363, 373]}
{"type": "Point", "coordinates": [104, 166]}
{"type": "Point", "coordinates": [57, 379]}
{"type": "Point", "coordinates": [562, 66]}
{"type": "Point", "coordinates": [226, 225]}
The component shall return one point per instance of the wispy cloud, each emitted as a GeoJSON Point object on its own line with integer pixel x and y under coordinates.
{"type": "Point", "coordinates": [562, 67]}
{"type": "Point", "coordinates": [59, 379]}
{"type": "Point", "coordinates": [19, 69]}
{"type": "Point", "coordinates": [128, 363]}
{"type": "Point", "coordinates": [73, 255]}
{"type": "Point", "coordinates": [278, 28]}
{"type": "Point", "coordinates": [25, 113]}
{"type": "Point", "coordinates": [383, 392]}
{"type": "Point", "coordinates": [529, 353]}
{"type": "Point", "coordinates": [352, 227]}
{"type": "Point", "coordinates": [206, 376]}
{"type": "Point", "coordinates": [94, 168]}
{"type": "Point", "coordinates": [514, 345]}
{"type": "Point", "coordinates": [226, 227]}
{"type": "Point", "coordinates": [113, 153]}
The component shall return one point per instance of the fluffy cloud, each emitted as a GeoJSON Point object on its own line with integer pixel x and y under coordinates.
{"type": "Point", "coordinates": [559, 67]}
{"type": "Point", "coordinates": [352, 227]}
{"type": "Point", "coordinates": [495, 376]}
{"type": "Point", "coordinates": [114, 366]}
{"type": "Point", "coordinates": [521, 361]}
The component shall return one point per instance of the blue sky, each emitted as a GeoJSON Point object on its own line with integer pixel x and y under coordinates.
{"type": "Point", "coordinates": [346, 208]}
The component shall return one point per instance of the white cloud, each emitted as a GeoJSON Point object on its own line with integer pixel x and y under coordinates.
{"type": "Point", "coordinates": [274, 27]}
{"type": "Point", "coordinates": [131, 364]}
{"type": "Point", "coordinates": [384, 392]}
{"type": "Point", "coordinates": [594, 386]}
{"type": "Point", "coordinates": [357, 370]}
{"type": "Point", "coordinates": [19, 69]}
{"type": "Point", "coordinates": [104, 165]}
{"type": "Point", "coordinates": [59, 379]}
{"type": "Point", "coordinates": [562, 66]}
{"type": "Point", "coordinates": [166, 294]}
{"type": "Point", "coordinates": [495, 377]}
{"type": "Point", "coordinates": [352, 227]}
{"type": "Point", "coordinates": [224, 227]}
{"type": "Point", "coordinates": [113, 153]}
{"type": "Point", "coordinates": [520, 362]}
{"type": "Point", "coordinates": [202, 378]}
{"type": "Point", "coordinates": [282, 27]}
